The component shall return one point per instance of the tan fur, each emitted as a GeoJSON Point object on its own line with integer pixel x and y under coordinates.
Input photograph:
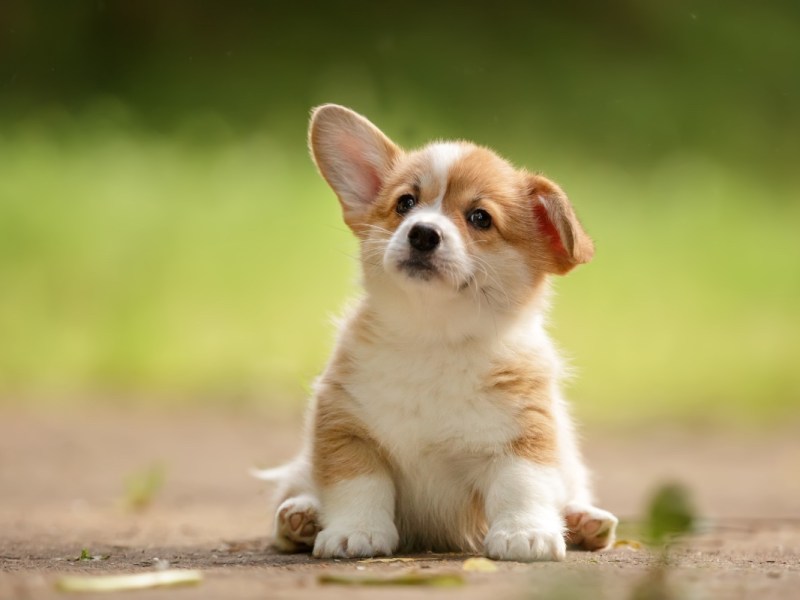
{"type": "Point", "coordinates": [526, 392]}
{"type": "Point", "coordinates": [343, 447]}
{"type": "Point", "coordinates": [538, 443]}
{"type": "Point", "coordinates": [575, 245]}
{"type": "Point", "coordinates": [511, 197]}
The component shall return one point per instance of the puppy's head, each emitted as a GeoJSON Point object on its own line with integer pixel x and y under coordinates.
{"type": "Point", "coordinates": [450, 219]}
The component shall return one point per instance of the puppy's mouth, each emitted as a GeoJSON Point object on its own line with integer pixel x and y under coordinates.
{"type": "Point", "coordinates": [418, 267]}
{"type": "Point", "coordinates": [422, 268]}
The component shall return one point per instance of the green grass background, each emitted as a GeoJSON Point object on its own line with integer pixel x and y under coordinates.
{"type": "Point", "coordinates": [165, 239]}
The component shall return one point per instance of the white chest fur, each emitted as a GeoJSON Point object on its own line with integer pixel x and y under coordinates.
{"type": "Point", "coordinates": [429, 401]}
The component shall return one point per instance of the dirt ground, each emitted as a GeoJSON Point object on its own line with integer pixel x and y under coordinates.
{"type": "Point", "coordinates": [62, 489]}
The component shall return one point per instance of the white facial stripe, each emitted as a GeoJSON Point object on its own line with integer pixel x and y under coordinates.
{"type": "Point", "coordinates": [442, 156]}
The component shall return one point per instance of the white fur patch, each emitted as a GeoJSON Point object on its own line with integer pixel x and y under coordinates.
{"type": "Point", "coordinates": [442, 156]}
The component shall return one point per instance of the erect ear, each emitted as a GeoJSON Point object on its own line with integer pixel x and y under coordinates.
{"type": "Point", "coordinates": [566, 244]}
{"type": "Point", "coordinates": [353, 156]}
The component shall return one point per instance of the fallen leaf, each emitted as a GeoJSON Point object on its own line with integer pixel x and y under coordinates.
{"type": "Point", "coordinates": [411, 578]}
{"type": "Point", "coordinates": [479, 564]}
{"type": "Point", "coordinates": [391, 559]}
{"type": "Point", "coordinates": [137, 581]}
{"type": "Point", "coordinates": [631, 544]}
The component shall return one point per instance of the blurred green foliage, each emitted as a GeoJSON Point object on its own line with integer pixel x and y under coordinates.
{"type": "Point", "coordinates": [164, 235]}
{"type": "Point", "coordinates": [143, 486]}
{"type": "Point", "coordinates": [670, 515]}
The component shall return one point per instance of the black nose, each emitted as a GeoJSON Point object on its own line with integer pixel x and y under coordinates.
{"type": "Point", "coordinates": [424, 237]}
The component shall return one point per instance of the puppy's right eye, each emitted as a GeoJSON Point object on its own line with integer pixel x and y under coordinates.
{"type": "Point", "coordinates": [405, 203]}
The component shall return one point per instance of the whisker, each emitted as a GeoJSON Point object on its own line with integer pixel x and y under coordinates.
{"type": "Point", "coordinates": [379, 228]}
{"type": "Point", "coordinates": [361, 260]}
{"type": "Point", "coordinates": [490, 273]}
{"type": "Point", "coordinates": [494, 319]}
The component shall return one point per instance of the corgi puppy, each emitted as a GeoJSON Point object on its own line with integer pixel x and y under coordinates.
{"type": "Point", "coordinates": [438, 423]}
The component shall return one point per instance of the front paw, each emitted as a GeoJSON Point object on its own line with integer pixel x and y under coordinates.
{"type": "Point", "coordinates": [333, 542]}
{"type": "Point", "coordinates": [525, 545]}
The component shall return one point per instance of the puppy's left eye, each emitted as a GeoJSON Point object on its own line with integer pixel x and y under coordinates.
{"type": "Point", "coordinates": [405, 203]}
{"type": "Point", "coordinates": [480, 219]}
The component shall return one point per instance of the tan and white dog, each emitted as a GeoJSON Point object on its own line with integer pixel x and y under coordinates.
{"type": "Point", "coordinates": [438, 423]}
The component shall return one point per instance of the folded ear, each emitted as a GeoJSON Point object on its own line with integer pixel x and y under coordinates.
{"type": "Point", "coordinates": [566, 244]}
{"type": "Point", "coordinates": [352, 155]}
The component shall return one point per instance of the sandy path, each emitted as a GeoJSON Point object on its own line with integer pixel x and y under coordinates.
{"type": "Point", "coordinates": [62, 484]}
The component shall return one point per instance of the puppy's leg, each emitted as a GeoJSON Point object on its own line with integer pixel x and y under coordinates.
{"type": "Point", "coordinates": [358, 517]}
{"type": "Point", "coordinates": [589, 527]}
{"type": "Point", "coordinates": [296, 521]}
{"type": "Point", "coordinates": [357, 494]}
{"type": "Point", "coordinates": [522, 509]}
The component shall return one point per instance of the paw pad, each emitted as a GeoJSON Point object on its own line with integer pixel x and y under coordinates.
{"type": "Point", "coordinates": [296, 524]}
{"type": "Point", "coordinates": [590, 528]}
